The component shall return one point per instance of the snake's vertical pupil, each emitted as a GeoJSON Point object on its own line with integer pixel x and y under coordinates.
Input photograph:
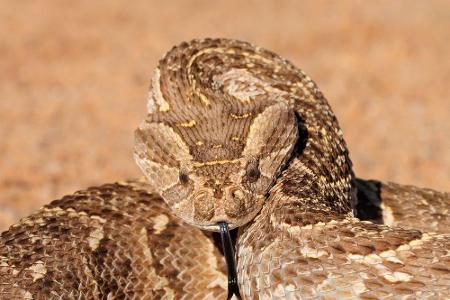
{"type": "Point", "coordinates": [228, 251]}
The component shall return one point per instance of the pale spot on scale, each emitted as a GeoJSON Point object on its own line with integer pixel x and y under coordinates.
{"type": "Point", "coordinates": [394, 259]}
{"type": "Point", "coordinates": [359, 288]}
{"type": "Point", "coordinates": [234, 116]}
{"type": "Point", "coordinates": [279, 291]}
{"type": "Point", "coordinates": [199, 143]}
{"type": "Point", "coordinates": [204, 99]}
{"type": "Point", "coordinates": [98, 218]}
{"type": "Point", "coordinates": [189, 124]}
{"type": "Point", "coordinates": [313, 253]}
{"type": "Point", "coordinates": [416, 243]}
{"type": "Point", "coordinates": [310, 83]}
{"type": "Point", "coordinates": [235, 138]}
{"type": "Point", "coordinates": [388, 253]}
{"type": "Point", "coordinates": [160, 222]}
{"type": "Point", "coordinates": [355, 256]}
{"type": "Point", "coordinates": [150, 102]}
{"type": "Point", "coordinates": [164, 107]}
{"type": "Point", "coordinates": [38, 270]}
{"type": "Point", "coordinates": [383, 270]}
{"type": "Point", "coordinates": [419, 242]}
{"type": "Point", "coordinates": [94, 238]}
{"type": "Point", "coordinates": [57, 211]}
{"type": "Point", "coordinates": [290, 288]}
{"type": "Point", "coordinates": [398, 276]}
{"type": "Point", "coordinates": [426, 237]}
{"type": "Point", "coordinates": [169, 293]}
{"type": "Point", "coordinates": [373, 259]}
{"type": "Point", "coordinates": [388, 215]}
{"type": "Point", "coordinates": [143, 240]}
{"type": "Point", "coordinates": [404, 248]}
{"type": "Point", "coordinates": [245, 99]}
{"type": "Point", "coordinates": [3, 261]}
{"type": "Point", "coordinates": [324, 286]}
{"type": "Point", "coordinates": [40, 221]}
{"type": "Point", "coordinates": [76, 214]}
{"type": "Point", "coordinates": [364, 275]}
{"type": "Point", "coordinates": [27, 295]}
{"type": "Point", "coordinates": [218, 282]}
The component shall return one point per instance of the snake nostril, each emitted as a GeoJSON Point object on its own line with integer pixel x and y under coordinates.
{"type": "Point", "coordinates": [218, 193]}
{"type": "Point", "coordinates": [237, 195]}
{"type": "Point", "coordinates": [203, 207]}
{"type": "Point", "coordinates": [235, 203]}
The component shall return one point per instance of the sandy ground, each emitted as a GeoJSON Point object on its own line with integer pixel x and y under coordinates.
{"type": "Point", "coordinates": [74, 78]}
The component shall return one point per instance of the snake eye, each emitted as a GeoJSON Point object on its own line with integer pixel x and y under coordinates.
{"type": "Point", "coordinates": [252, 172]}
{"type": "Point", "coordinates": [184, 178]}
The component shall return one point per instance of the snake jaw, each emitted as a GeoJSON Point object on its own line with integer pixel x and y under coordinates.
{"type": "Point", "coordinates": [203, 210]}
{"type": "Point", "coordinates": [232, 223]}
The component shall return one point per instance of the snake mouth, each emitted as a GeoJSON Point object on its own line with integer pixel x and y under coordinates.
{"type": "Point", "coordinates": [232, 224]}
{"type": "Point", "coordinates": [217, 228]}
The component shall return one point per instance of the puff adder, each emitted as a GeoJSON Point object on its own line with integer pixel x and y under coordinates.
{"type": "Point", "coordinates": [236, 134]}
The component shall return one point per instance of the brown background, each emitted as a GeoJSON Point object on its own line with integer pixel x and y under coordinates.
{"type": "Point", "coordinates": [74, 78]}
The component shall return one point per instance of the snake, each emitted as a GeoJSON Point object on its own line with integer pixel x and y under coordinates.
{"type": "Point", "coordinates": [234, 137]}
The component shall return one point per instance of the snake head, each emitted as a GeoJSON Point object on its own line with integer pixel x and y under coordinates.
{"type": "Point", "coordinates": [223, 178]}
{"type": "Point", "coordinates": [218, 131]}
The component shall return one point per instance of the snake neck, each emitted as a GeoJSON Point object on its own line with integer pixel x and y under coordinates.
{"type": "Point", "coordinates": [318, 184]}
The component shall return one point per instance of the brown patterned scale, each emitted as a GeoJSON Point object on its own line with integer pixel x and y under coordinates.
{"type": "Point", "coordinates": [234, 134]}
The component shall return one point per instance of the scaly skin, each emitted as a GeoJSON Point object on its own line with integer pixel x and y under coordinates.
{"type": "Point", "coordinates": [234, 133]}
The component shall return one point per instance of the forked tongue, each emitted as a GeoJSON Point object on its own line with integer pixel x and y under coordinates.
{"type": "Point", "coordinates": [228, 251]}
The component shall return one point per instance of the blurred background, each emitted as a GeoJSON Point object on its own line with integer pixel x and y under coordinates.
{"type": "Point", "coordinates": [74, 77]}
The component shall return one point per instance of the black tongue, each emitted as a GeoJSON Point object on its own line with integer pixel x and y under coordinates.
{"type": "Point", "coordinates": [228, 251]}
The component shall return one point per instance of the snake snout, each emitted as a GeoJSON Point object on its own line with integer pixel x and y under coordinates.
{"type": "Point", "coordinates": [235, 208]}
{"type": "Point", "coordinates": [234, 203]}
{"type": "Point", "coordinates": [204, 206]}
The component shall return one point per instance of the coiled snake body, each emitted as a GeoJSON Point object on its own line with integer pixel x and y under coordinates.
{"type": "Point", "coordinates": [234, 134]}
